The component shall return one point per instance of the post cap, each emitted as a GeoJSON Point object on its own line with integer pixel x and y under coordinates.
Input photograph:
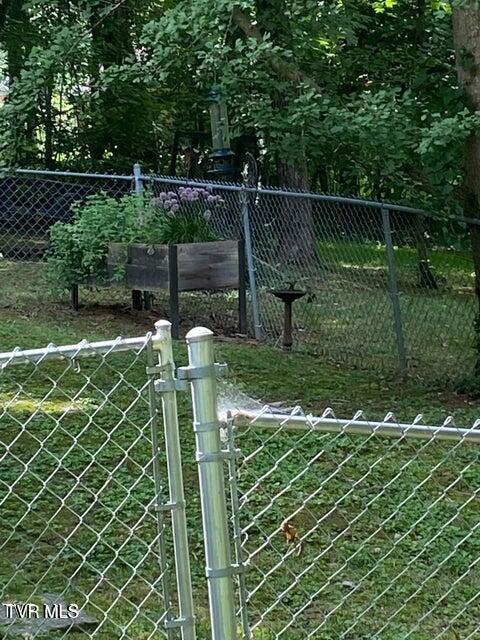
{"type": "Point", "coordinates": [197, 334]}
{"type": "Point", "coordinates": [163, 328]}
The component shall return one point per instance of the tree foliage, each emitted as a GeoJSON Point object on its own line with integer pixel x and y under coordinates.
{"type": "Point", "coordinates": [351, 96]}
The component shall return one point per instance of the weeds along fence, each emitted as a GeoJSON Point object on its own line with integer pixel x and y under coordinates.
{"type": "Point", "coordinates": [252, 524]}
{"type": "Point", "coordinates": [386, 287]}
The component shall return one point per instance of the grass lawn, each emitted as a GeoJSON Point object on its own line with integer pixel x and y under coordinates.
{"type": "Point", "coordinates": [375, 512]}
{"type": "Point", "coordinates": [76, 521]}
{"type": "Point", "coordinates": [349, 318]}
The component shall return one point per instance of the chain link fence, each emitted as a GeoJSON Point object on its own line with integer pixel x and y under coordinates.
{"type": "Point", "coordinates": [31, 202]}
{"type": "Point", "coordinates": [81, 481]}
{"type": "Point", "coordinates": [357, 529]}
{"type": "Point", "coordinates": [312, 526]}
{"type": "Point", "coordinates": [384, 287]}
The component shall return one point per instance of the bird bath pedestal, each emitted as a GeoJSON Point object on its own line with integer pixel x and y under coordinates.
{"type": "Point", "coordinates": [288, 297]}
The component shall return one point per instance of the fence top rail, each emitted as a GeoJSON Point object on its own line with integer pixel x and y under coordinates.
{"type": "Point", "coordinates": [235, 187]}
{"type": "Point", "coordinates": [275, 191]}
{"type": "Point", "coordinates": [329, 424]}
{"type": "Point", "coordinates": [72, 351]}
{"type": "Point", "coordinates": [73, 174]}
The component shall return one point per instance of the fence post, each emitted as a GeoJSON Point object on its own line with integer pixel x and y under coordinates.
{"type": "Point", "coordinates": [237, 529]}
{"type": "Point", "coordinates": [250, 264]}
{"type": "Point", "coordinates": [137, 177]}
{"type": "Point", "coordinates": [140, 299]}
{"type": "Point", "coordinates": [162, 343]}
{"type": "Point", "coordinates": [219, 569]}
{"type": "Point", "coordinates": [394, 294]}
{"type": "Point", "coordinates": [159, 498]}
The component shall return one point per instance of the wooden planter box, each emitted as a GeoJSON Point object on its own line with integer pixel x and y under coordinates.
{"type": "Point", "coordinates": [200, 266]}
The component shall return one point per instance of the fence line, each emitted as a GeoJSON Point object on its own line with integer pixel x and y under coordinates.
{"type": "Point", "coordinates": [70, 352]}
{"type": "Point", "coordinates": [81, 491]}
{"type": "Point", "coordinates": [137, 176]}
{"type": "Point", "coordinates": [226, 186]}
{"type": "Point", "coordinates": [363, 536]}
{"type": "Point", "coordinates": [398, 299]}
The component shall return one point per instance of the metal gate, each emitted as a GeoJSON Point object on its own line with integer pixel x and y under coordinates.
{"type": "Point", "coordinates": [88, 518]}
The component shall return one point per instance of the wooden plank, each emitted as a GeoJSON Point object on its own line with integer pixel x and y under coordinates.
{"type": "Point", "coordinates": [202, 265]}
{"type": "Point", "coordinates": [145, 278]}
{"type": "Point", "coordinates": [242, 290]}
{"type": "Point", "coordinates": [208, 265]}
{"type": "Point", "coordinates": [147, 254]}
{"type": "Point", "coordinates": [144, 267]}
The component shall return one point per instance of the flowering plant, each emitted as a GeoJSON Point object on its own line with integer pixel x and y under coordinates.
{"type": "Point", "coordinates": [188, 214]}
{"type": "Point", "coordinates": [173, 202]}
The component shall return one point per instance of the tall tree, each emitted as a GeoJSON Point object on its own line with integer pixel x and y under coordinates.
{"type": "Point", "coordinates": [466, 29]}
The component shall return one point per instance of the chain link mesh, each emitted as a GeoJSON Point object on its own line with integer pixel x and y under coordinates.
{"type": "Point", "coordinates": [357, 536]}
{"type": "Point", "coordinates": [31, 203]}
{"type": "Point", "coordinates": [79, 484]}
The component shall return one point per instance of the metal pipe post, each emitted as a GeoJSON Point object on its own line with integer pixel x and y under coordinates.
{"type": "Point", "coordinates": [257, 326]}
{"type": "Point", "coordinates": [159, 497]}
{"type": "Point", "coordinates": [394, 294]}
{"type": "Point", "coordinates": [237, 528]}
{"type": "Point", "coordinates": [140, 299]}
{"type": "Point", "coordinates": [210, 457]}
{"type": "Point", "coordinates": [137, 177]}
{"type": "Point", "coordinates": [162, 344]}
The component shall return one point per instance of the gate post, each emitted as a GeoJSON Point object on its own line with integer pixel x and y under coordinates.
{"type": "Point", "coordinates": [219, 569]}
{"type": "Point", "coordinates": [162, 344]}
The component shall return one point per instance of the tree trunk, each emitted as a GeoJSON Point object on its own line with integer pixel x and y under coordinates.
{"type": "Point", "coordinates": [466, 34]}
{"type": "Point", "coordinates": [426, 277]}
{"type": "Point", "coordinates": [296, 245]}
{"type": "Point", "coordinates": [296, 238]}
{"type": "Point", "coordinates": [16, 21]}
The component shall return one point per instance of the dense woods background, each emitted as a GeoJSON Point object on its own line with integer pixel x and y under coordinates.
{"type": "Point", "coordinates": [372, 97]}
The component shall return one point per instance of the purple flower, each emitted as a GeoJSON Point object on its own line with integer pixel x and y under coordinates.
{"type": "Point", "coordinates": [175, 207]}
{"type": "Point", "coordinates": [172, 194]}
{"type": "Point", "coordinates": [212, 199]}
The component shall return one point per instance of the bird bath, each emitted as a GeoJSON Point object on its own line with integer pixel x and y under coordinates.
{"type": "Point", "coordinates": [288, 297]}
